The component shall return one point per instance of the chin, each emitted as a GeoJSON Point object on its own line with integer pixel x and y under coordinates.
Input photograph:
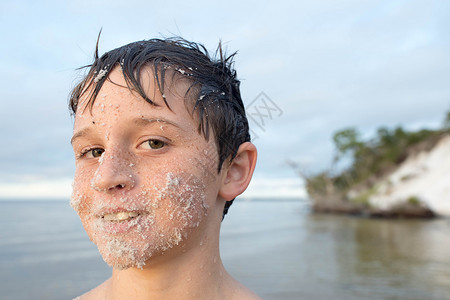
{"type": "Point", "coordinates": [129, 251]}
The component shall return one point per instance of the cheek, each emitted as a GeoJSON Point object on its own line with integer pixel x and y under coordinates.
{"type": "Point", "coordinates": [183, 200]}
{"type": "Point", "coordinates": [82, 205]}
{"type": "Point", "coordinates": [205, 164]}
{"type": "Point", "coordinates": [80, 200]}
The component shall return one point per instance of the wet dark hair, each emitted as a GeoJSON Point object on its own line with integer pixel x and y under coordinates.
{"type": "Point", "coordinates": [213, 94]}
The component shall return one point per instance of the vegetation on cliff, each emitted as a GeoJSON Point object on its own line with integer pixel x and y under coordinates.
{"type": "Point", "coordinates": [349, 189]}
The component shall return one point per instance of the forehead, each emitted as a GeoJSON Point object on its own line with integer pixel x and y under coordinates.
{"type": "Point", "coordinates": [117, 97]}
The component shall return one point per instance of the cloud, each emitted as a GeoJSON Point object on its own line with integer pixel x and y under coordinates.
{"type": "Point", "coordinates": [327, 65]}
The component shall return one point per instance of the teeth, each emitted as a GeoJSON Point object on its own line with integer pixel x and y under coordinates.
{"type": "Point", "coordinates": [120, 216]}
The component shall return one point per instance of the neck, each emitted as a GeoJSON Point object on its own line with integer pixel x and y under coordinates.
{"type": "Point", "coordinates": [176, 274]}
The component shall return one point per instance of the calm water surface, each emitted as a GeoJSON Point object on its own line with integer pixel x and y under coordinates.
{"type": "Point", "coordinates": [276, 248]}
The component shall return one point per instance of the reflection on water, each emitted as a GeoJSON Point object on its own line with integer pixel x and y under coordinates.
{"type": "Point", "coordinates": [277, 248]}
{"type": "Point", "coordinates": [402, 259]}
{"type": "Point", "coordinates": [340, 257]}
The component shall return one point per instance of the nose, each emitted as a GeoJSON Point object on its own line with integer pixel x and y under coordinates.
{"type": "Point", "coordinates": [114, 172]}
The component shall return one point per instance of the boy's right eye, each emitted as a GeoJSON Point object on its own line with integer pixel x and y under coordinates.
{"type": "Point", "coordinates": [93, 153]}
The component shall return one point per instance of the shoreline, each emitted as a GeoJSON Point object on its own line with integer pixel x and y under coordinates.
{"type": "Point", "coordinates": [401, 210]}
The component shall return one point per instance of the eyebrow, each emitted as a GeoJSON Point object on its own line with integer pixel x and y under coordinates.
{"type": "Point", "coordinates": [80, 133]}
{"type": "Point", "coordinates": [141, 122]}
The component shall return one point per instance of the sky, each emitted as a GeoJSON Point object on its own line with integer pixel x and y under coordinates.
{"type": "Point", "coordinates": [307, 70]}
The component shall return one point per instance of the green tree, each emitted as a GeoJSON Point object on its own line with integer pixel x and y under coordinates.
{"type": "Point", "coordinates": [346, 141]}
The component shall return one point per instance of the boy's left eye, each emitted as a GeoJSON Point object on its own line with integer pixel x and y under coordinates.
{"type": "Point", "coordinates": [153, 144]}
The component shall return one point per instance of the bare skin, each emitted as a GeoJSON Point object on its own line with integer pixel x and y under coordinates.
{"type": "Point", "coordinates": [145, 195]}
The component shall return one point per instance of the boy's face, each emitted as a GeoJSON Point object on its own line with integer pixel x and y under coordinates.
{"type": "Point", "coordinates": [141, 185]}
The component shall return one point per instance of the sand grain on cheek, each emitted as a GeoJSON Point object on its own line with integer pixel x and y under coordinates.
{"type": "Point", "coordinates": [173, 209]}
{"type": "Point", "coordinates": [78, 199]}
{"type": "Point", "coordinates": [186, 200]}
{"type": "Point", "coordinates": [83, 207]}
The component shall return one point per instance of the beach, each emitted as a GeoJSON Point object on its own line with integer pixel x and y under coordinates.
{"type": "Point", "coordinates": [275, 247]}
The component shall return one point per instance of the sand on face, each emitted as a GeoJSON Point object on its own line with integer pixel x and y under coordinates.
{"type": "Point", "coordinates": [167, 188]}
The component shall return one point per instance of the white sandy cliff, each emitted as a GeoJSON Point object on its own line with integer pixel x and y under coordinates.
{"type": "Point", "coordinates": [425, 176]}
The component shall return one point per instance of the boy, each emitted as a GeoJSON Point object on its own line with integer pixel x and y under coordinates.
{"type": "Point", "coordinates": [162, 148]}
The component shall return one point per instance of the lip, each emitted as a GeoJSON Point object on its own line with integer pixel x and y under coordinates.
{"type": "Point", "coordinates": [114, 209]}
{"type": "Point", "coordinates": [121, 216]}
{"type": "Point", "coordinates": [119, 227]}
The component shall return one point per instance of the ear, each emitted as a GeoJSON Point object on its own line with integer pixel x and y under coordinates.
{"type": "Point", "coordinates": [238, 174]}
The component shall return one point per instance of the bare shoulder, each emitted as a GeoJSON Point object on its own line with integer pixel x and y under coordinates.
{"type": "Point", "coordinates": [95, 293]}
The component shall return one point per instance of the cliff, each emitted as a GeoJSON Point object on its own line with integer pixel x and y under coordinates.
{"type": "Point", "coordinates": [424, 177]}
{"type": "Point", "coordinates": [395, 174]}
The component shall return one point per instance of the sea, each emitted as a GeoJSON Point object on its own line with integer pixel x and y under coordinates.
{"type": "Point", "coordinates": [276, 247]}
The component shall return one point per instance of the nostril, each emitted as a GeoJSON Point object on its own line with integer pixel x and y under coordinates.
{"type": "Point", "coordinates": [118, 186]}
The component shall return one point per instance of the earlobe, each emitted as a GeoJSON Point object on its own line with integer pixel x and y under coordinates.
{"type": "Point", "coordinates": [239, 173]}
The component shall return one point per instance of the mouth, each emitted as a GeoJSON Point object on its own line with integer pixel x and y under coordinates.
{"type": "Point", "coordinates": [121, 216]}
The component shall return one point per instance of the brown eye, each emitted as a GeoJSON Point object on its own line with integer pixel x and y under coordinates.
{"type": "Point", "coordinates": [155, 144]}
{"type": "Point", "coordinates": [97, 152]}
{"type": "Point", "coordinates": [93, 153]}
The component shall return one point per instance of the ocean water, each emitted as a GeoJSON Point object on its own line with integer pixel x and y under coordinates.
{"type": "Point", "coordinates": [277, 248]}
